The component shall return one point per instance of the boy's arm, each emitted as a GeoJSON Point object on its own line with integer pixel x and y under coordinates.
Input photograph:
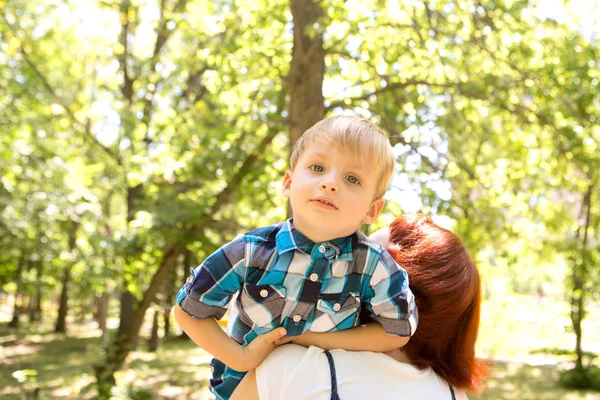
{"type": "Point", "coordinates": [388, 298]}
{"type": "Point", "coordinates": [205, 296]}
{"type": "Point", "coordinates": [368, 337]}
{"type": "Point", "coordinates": [208, 335]}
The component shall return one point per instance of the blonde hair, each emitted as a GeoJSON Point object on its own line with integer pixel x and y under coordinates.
{"type": "Point", "coordinates": [365, 139]}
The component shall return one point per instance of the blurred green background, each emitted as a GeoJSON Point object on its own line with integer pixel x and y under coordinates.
{"type": "Point", "coordinates": [140, 135]}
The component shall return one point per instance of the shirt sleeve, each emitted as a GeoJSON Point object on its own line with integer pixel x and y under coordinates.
{"type": "Point", "coordinates": [389, 299]}
{"type": "Point", "coordinates": [210, 287]}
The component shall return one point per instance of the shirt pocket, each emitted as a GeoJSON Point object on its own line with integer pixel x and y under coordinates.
{"type": "Point", "coordinates": [335, 309]}
{"type": "Point", "coordinates": [263, 304]}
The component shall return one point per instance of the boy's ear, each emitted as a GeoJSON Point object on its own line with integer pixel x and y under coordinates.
{"type": "Point", "coordinates": [374, 211]}
{"type": "Point", "coordinates": [287, 184]}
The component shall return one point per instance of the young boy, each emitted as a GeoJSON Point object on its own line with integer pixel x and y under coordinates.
{"type": "Point", "coordinates": [309, 276]}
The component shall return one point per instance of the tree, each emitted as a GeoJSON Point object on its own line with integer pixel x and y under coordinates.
{"type": "Point", "coordinates": [168, 132]}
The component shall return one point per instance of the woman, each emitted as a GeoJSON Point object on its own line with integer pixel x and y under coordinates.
{"type": "Point", "coordinates": [437, 363]}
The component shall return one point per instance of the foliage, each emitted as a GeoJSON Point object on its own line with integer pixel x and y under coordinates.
{"type": "Point", "coordinates": [159, 125]}
{"type": "Point", "coordinates": [587, 378]}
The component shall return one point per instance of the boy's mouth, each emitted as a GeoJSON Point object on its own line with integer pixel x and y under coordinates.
{"type": "Point", "coordinates": [324, 202]}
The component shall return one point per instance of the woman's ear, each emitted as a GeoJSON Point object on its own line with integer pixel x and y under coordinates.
{"type": "Point", "coordinates": [374, 210]}
{"type": "Point", "coordinates": [287, 184]}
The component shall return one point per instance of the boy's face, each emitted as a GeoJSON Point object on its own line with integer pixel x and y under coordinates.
{"type": "Point", "coordinates": [331, 192]}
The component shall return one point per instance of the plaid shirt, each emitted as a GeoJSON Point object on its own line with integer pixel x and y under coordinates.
{"type": "Point", "coordinates": [285, 279]}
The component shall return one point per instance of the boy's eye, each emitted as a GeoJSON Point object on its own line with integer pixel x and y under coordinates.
{"type": "Point", "coordinates": [317, 168]}
{"type": "Point", "coordinates": [352, 179]}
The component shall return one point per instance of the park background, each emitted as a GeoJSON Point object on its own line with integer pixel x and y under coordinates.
{"type": "Point", "coordinates": [138, 136]}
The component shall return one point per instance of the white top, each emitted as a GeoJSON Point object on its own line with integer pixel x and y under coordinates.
{"type": "Point", "coordinates": [293, 372]}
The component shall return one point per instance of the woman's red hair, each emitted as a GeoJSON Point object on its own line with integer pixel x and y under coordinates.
{"type": "Point", "coordinates": [447, 289]}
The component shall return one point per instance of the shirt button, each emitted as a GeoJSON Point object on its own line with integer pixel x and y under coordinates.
{"type": "Point", "coordinates": [322, 248]}
{"type": "Point", "coordinates": [314, 277]}
{"type": "Point", "coordinates": [337, 306]}
{"type": "Point", "coordinates": [297, 318]}
{"type": "Point", "coordinates": [264, 293]}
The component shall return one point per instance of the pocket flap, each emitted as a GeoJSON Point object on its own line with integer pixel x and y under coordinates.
{"type": "Point", "coordinates": [332, 303]}
{"type": "Point", "coordinates": [265, 293]}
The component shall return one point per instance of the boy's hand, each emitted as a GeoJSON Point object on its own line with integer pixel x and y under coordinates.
{"type": "Point", "coordinates": [306, 339]}
{"type": "Point", "coordinates": [259, 349]}
{"type": "Point", "coordinates": [287, 339]}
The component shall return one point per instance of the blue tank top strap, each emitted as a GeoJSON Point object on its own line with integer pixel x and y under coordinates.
{"type": "Point", "coordinates": [334, 392]}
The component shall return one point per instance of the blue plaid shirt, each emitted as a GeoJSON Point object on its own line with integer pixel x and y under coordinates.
{"type": "Point", "coordinates": [282, 278]}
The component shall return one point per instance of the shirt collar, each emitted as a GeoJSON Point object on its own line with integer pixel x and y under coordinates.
{"type": "Point", "coordinates": [289, 238]}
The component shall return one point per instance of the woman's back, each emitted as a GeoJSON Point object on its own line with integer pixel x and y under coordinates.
{"type": "Point", "coordinates": [294, 372]}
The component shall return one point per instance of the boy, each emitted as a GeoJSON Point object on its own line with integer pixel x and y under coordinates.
{"type": "Point", "coordinates": [309, 276]}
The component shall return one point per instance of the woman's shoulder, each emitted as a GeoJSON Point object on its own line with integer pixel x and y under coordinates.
{"type": "Point", "coordinates": [368, 370]}
{"type": "Point", "coordinates": [294, 372]}
{"type": "Point", "coordinates": [360, 375]}
{"type": "Point", "coordinates": [367, 364]}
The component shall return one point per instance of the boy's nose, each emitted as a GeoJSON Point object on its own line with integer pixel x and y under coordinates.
{"type": "Point", "coordinates": [329, 186]}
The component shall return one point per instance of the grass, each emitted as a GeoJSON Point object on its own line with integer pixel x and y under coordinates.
{"type": "Point", "coordinates": [526, 342]}
{"type": "Point", "coordinates": [62, 364]}
{"type": "Point", "coordinates": [513, 380]}
{"type": "Point", "coordinates": [64, 367]}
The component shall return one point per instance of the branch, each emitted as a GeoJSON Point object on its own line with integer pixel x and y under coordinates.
{"type": "Point", "coordinates": [88, 121]}
{"type": "Point", "coordinates": [417, 27]}
{"type": "Point", "coordinates": [587, 201]}
{"type": "Point", "coordinates": [162, 36]}
{"type": "Point", "coordinates": [77, 125]}
{"type": "Point", "coordinates": [127, 87]}
{"type": "Point", "coordinates": [389, 87]}
{"type": "Point", "coordinates": [193, 80]}
{"type": "Point", "coordinates": [225, 195]}
{"type": "Point", "coordinates": [337, 42]}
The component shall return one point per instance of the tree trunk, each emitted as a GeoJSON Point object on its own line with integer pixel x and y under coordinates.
{"type": "Point", "coordinates": [123, 344]}
{"type": "Point", "coordinates": [35, 301]}
{"type": "Point", "coordinates": [134, 193]}
{"type": "Point", "coordinates": [38, 307]}
{"type": "Point", "coordinates": [82, 310]}
{"type": "Point", "coordinates": [579, 278]}
{"type": "Point", "coordinates": [167, 320]}
{"type": "Point", "coordinates": [154, 342]}
{"type": "Point", "coordinates": [31, 307]}
{"type": "Point", "coordinates": [26, 301]}
{"type": "Point", "coordinates": [61, 320]}
{"type": "Point", "coordinates": [169, 299]}
{"type": "Point", "coordinates": [126, 312]}
{"type": "Point", "coordinates": [37, 316]}
{"type": "Point", "coordinates": [14, 323]}
{"type": "Point", "coordinates": [128, 300]}
{"type": "Point", "coordinates": [307, 69]}
{"type": "Point", "coordinates": [101, 317]}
